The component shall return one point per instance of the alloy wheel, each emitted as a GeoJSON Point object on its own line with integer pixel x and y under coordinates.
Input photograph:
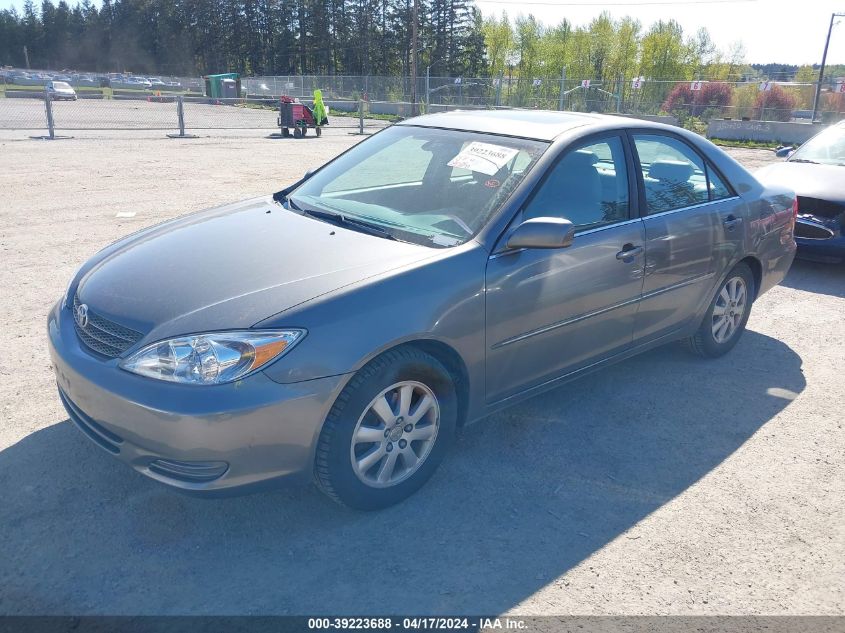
{"type": "Point", "coordinates": [729, 309]}
{"type": "Point", "coordinates": [395, 434]}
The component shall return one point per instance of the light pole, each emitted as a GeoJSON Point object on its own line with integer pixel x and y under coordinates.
{"type": "Point", "coordinates": [427, 82]}
{"type": "Point", "coordinates": [833, 16]}
{"type": "Point", "coordinates": [415, 19]}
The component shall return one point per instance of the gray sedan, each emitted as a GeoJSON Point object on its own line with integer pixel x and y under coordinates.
{"type": "Point", "coordinates": [447, 267]}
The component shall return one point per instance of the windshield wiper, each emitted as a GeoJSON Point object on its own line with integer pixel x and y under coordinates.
{"type": "Point", "coordinates": [343, 220]}
{"type": "Point", "coordinates": [803, 160]}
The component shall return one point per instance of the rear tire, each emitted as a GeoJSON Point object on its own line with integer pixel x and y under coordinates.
{"type": "Point", "coordinates": [388, 430]}
{"type": "Point", "coordinates": [726, 316]}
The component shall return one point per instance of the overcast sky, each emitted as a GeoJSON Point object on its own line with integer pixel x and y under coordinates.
{"type": "Point", "coordinates": [786, 31]}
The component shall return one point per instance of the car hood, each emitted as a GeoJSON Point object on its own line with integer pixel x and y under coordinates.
{"type": "Point", "coordinates": [231, 267]}
{"type": "Point", "coordinates": [826, 182]}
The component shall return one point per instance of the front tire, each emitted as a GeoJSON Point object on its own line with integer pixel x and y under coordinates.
{"type": "Point", "coordinates": [727, 315]}
{"type": "Point", "coordinates": [388, 431]}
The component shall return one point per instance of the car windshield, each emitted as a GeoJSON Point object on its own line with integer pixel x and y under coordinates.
{"type": "Point", "coordinates": [60, 84]}
{"type": "Point", "coordinates": [827, 148]}
{"type": "Point", "coordinates": [423, 185]}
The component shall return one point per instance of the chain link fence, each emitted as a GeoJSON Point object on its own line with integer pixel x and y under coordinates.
{"type": "Point", "coordinates": [173, 113]}
{"type": "Point", "coordinates": [127, 103]}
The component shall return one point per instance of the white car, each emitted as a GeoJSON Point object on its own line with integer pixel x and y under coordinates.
{"type": "Point", "coordinates": [58, 90]}
{"type": "Point", "coordinates": [141, 82]}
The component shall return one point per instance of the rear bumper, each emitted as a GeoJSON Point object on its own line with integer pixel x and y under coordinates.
{"type": "Point", "coordinates": [225, 439]}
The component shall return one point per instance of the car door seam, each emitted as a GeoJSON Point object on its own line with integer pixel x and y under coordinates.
{"type": "Point", "coordinates": [587, 315]}
{"type": "Point", "coordinates": [680, 284]}
{"type": "Point", "coordinates": [560, 324]}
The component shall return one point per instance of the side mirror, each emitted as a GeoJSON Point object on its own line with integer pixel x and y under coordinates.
{"type": "Point", "coordinates": [542, 233]}
{"type": "Point", "coordinates": [784, 152]}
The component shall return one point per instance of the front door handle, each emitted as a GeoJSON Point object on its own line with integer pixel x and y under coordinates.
{"type": "Point", "coordinates": [731, 222]}
{"type": "Point", "coordinates": [629, 252]}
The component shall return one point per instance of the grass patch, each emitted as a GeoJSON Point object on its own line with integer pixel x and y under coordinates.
{"type": "Point", "coordinates": [392, 118]}
{"type": "Point", "coordinates": [750, 144]}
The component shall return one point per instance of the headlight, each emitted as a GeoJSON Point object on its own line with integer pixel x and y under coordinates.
{"type": "Point", "coordinates": [213, 358]}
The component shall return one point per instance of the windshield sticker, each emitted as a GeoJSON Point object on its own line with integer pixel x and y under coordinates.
{"type": "Point", "coordinates": [492, 183]}
{"type": "Point", "coordinates": [483, 158]}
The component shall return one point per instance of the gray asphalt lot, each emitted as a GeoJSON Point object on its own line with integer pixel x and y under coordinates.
{"type": "Point", "coordinates": [662, 485]}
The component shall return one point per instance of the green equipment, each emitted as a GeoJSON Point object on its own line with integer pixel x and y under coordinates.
{"type": "Point", "coordinates": [223, 86]}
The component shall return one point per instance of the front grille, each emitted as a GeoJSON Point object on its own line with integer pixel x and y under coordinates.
{"type": "Point", "coordinates": [812, 230]}
{"type": "Point", "coordinates": [102, 335]}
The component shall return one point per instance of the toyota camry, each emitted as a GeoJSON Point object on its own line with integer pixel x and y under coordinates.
{"type": "Point", "coordinates": [343, 328]}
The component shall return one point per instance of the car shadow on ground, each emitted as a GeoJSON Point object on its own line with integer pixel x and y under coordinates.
{"type": "Point", "coordinates": [525, 495]}
{"type": "Point", "coordinates": [816, 277]}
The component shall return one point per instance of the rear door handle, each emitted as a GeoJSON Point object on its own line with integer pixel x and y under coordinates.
{"type": "Point", "coordinates": [629, 252]}
{"type": "Point", "coordinates": [731, 222]}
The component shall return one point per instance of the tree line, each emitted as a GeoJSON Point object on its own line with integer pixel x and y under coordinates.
{"type": "Point", "coordinates": [366, 37]}
{"type": "Point", "coordinates": [253, 37]}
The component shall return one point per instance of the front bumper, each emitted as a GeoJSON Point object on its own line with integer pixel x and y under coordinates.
{"type": "Point", "coordinates": [830, 250]}
{"type": "Point", "coordinates": [821, 237]}
{"type": "Point", "coordinates": [231, 437]}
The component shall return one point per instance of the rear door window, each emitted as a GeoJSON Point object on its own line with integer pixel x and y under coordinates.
{"type": "Point", "coordinates": [674, 175]}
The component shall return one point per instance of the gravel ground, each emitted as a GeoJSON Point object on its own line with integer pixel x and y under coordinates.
{"type": "Point", "coordinates": [663, 485]}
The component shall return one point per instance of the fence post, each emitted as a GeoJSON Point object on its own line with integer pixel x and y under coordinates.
{"type": "Point", "coordinates": [360, 119]}
{"type": "Point", "coordinates": [562, 88]}
{"type": "Point", "coordinates": [48, 105]}
{"type": "Point", "coordinates": [51, 124]}
{"type": "Point", "coordinates": [499, 89]}
{"type": "Point", "coordinates": [180, 115]}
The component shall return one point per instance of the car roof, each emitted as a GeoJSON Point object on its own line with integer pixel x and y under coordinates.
{"type": "Point", "coordinates": [543, 125]}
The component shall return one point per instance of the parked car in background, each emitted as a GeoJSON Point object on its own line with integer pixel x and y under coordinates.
{"type": "Point", "coordinates": [816, 172]}
{"type": "Point", "coordinates": [130, 83]}
{"type": "Point", "coordinates": [443, 269]}
{"type": "Point", "coordinates": [155, 83]}
{"type": "Point", "coordinates": [141, 81]}
{"type": "Point", "coordinates": [31, 79]}
{"type": "Point", "coordinates": [60, 91]}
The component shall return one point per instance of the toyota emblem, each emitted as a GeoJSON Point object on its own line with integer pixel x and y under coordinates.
{"type": "Point", "coordinates": [82, 315]}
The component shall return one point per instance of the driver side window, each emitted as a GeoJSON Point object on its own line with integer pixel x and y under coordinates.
{"type": "Point", "coordinates": [588, 186]}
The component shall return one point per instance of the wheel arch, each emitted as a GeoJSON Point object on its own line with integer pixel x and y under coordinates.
{"type": "Point", "coordinates": [443, 352]}
{"type": "Point", "coordinates": [453, 363]}
{"type": "Point", "coordinates": [756, 270]}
